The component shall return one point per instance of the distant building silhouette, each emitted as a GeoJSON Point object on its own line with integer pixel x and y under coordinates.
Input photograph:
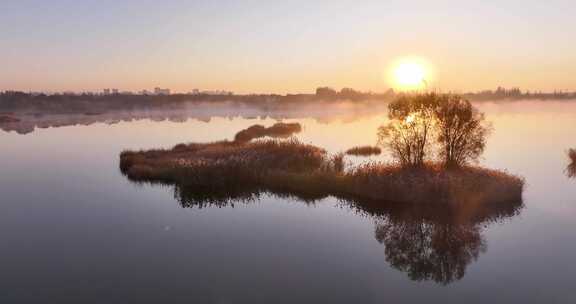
{"type": "Point", "coordinates": [326, 92]}
{"type": "Point", "coordinates": [160, 91]}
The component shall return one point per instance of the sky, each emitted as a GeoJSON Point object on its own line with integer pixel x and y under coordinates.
{"type": "Point", "coordinates": [284, 46]}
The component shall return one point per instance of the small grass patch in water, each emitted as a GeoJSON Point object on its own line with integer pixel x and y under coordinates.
{"type": "Point", "coordinates": [364, 151]}
{"type": "Point", "coordinates": [278, 130]}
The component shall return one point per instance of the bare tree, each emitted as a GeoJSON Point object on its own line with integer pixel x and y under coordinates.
{"type": "Point", "coordinates": [462, 130]}
{"type": "Point", "coordinates": [415, 120]}
{"type": "Point", "coordinates": [408, 139]}
{"type": "Point", "coordinates": [409, 131]}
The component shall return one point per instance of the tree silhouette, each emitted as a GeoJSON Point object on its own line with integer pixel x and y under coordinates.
{"type": "Point", "coordinates": [408, 133]}
{"type": "Point", "coordinates": [458, 129]}
{"type": "Point", "coordinates": [462, 130]}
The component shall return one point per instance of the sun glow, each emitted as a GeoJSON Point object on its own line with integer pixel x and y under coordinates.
{"type": "Point", "coordinates": [410, 74]}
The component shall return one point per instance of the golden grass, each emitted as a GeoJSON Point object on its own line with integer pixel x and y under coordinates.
{"type": "Point", "coordinates": [433, 183]}
{"type": "Point", "coordinates": [242, 169]}
{"type": "Point", "coordinates": [364, 151]}
{"type": "Point", "coordinates": [218, 162]}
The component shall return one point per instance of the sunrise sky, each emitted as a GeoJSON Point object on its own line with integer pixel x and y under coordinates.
{"type": "Point", "coordinates": [284, 46]}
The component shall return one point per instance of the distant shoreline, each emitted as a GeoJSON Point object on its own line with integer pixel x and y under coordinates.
{"type": "Point", "coordinates": [17, 103]}
{"type": "Point", "coordinates": [47, 112]}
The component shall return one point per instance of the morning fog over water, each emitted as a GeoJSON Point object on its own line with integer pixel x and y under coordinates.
{"type": "Point", "coordinates": [71, 221]}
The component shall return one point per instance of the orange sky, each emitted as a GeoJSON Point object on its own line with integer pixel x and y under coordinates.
{"type": "Point", "coordinates": [259, 46]}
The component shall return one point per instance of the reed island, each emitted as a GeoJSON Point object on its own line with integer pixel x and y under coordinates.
{"type": "Point", "coordinates": [434, 139]}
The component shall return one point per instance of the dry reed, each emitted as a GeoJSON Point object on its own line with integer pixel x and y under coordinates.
{"type": "Point", "coordinates": [293, 168]}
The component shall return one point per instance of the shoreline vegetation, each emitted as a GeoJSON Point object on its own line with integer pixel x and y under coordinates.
{"type": "Point", "coordinates": [25, 112]}
{"type": "Point", "coordinates": [420, 126]}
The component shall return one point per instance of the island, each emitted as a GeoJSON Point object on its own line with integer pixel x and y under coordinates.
{"type": "Point", "coordinates": [418, 124]}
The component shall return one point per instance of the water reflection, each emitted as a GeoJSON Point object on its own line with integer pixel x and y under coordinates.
{"type": "Point", "coordinates": [430, 251]}
{"type": "Point", "coordinates": [435, 244]}
{"type": "Point", "coordinates": [425, 242]}
{"type": "Point", "coordinates": [26, 123]}
{"type": "Point", "coordinates": [197, 197]}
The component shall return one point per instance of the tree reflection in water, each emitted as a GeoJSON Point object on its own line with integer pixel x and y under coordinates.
{"type": "Point", "coordinates": [435, 243]}
{"type": "Point", "coordinates": [430, 251]}
{"type": "Point", "coordinates": [428, 242]}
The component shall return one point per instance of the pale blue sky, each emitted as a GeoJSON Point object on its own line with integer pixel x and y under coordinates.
{"type": "Point", "coordinates": [283, 46]}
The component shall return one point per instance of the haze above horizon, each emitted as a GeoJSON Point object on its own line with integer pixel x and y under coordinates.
{"type": "Point", "coordinates": [273, 47]}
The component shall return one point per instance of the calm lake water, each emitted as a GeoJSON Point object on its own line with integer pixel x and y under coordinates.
{"type": "Point", "coordinates": [74, 230]}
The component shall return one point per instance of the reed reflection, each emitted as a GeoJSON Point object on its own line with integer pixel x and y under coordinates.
{"type": "Point", "coordinates": [423, 241]}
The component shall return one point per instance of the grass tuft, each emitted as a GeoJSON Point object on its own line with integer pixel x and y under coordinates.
{"type": "Point", "coordinates": [278, 130]}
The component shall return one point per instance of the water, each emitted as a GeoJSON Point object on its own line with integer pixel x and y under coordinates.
{"type": "Point", "coordinates": [73, 229]}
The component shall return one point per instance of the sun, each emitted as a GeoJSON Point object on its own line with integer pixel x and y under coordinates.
{"type": "Point", "coordinates": [410, 75]}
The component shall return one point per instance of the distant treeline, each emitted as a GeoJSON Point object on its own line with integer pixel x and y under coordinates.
{"type": "Point", "coordinates": [517, 94]}
{"type": "Point", "coordinates": [15, 101]}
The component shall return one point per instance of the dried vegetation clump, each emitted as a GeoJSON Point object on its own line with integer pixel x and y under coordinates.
{"type": "Point", "coordinates": [293, 168]}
